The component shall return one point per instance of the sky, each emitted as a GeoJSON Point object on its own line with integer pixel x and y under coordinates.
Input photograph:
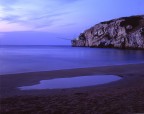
{"type": "Point", "coordinates": [56, 22]}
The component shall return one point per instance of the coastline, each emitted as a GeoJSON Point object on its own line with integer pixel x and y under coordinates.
{"type": "Point", "coordinates": [123, 96]}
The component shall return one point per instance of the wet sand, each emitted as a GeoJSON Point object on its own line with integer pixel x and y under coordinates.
{"type": "Point", "coordinates": [125, 96]}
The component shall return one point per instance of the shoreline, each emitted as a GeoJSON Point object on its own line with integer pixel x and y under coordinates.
{"type": "Point", "coordinates": [123, 96]}
{"type": "Point", "coordinates": [26, 72]}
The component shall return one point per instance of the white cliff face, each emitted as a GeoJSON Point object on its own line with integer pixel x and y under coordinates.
{"type": "Point", "coordinates": [126, 32]}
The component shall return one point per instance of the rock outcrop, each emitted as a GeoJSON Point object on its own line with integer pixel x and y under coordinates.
{"type": "Point", "coordinates": [125, 32]}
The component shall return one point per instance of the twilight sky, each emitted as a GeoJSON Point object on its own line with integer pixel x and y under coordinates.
{"type": "Point", "coordinates": [48, 22]}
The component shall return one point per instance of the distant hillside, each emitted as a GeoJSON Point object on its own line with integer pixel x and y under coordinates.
{"type": "Point", "coordinates": [125, 32]}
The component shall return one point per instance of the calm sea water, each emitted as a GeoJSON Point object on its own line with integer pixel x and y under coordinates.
{"type": "Point", "coordinates": [18, 59]}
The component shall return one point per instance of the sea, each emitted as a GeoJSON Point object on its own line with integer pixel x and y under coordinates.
{"type": "Point", "coordinates": [21, 59]}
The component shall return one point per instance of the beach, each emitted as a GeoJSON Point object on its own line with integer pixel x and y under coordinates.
{"type": "Point", "coordinates": [71, 57]}
{"type": "Point", "coordinates": [124, 96]}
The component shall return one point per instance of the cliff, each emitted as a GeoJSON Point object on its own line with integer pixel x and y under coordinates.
{"type": "Point", "coordinates": [125, 32]}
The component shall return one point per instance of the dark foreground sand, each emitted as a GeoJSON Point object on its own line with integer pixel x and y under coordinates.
{"type": "Point", "coordinates": [125, 96]}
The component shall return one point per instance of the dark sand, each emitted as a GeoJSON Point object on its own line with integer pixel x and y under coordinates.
{"type": "Point", "coordinates": [125, 96]}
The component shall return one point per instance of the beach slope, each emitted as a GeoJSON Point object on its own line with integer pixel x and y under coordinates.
{"type": "Point", "coordinates": [125, 96]}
